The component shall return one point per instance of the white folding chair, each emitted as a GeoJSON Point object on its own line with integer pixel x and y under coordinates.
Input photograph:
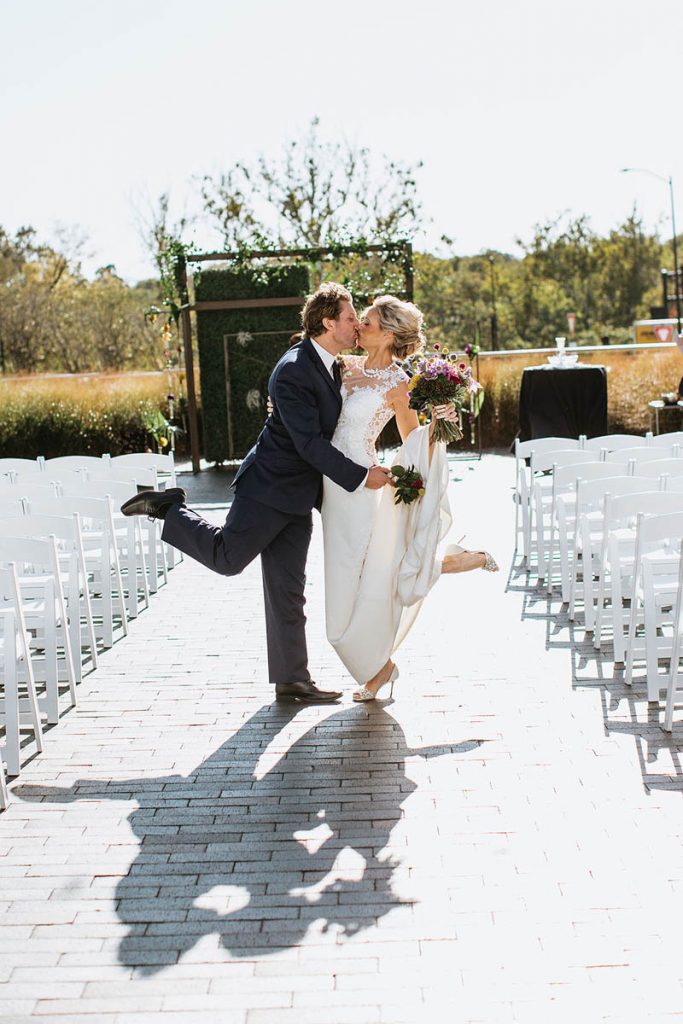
{"type": "Point", "coordinates": [44, 610]}
{"type": "Point", "coordinates": [615, 442]}
{"type": "Point", "coordinates": [163, 464]}
{"type": "Point", "coordinates": [166, 477]}
{"type": "Point", "coordinates": [584, 548]}
{"type": "Point", "coordinates": [590, 544]}
{"type": "Point", "coordinates": [18, 712]}
{"type": "Point", "coordinates": [136, 477]}
{"type": "Point", "coordinates": [522, 495]}
{"type": "Point", "coordinates": [18, 491]}
{"type": "Point", "coordinates": [564, 511]}
{"type": "Point", "coordinates": [75, 463]}
{"type": "Point", "coordinates": [541, 505]}
{"type": "Point", "coordinates": [102, 567]}
{"type": "Point", "coordinates": [666, 440]}
{"type": "Point", "coordinates": [658, 468]}
{"type": "Point", "coordinates": [127, 534]}
{"type": "Point", "coordinates": [12, 508]}
{"type": "Point", "coordinates": [656, 570]}
{"type": "Point", "coordinates": [14, 467]}
{"type": "Point", "coordinates": [618, 550]}
{"type": "Point", "coordinates": [66, 529]}
{"type": "Point", "coordinates": [639, 455]}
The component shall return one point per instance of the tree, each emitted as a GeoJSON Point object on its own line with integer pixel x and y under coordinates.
{"type": "Point", "coordinates": [52, 318]}
{"type": "Point", "coordinates": [316, 194]}
{"type": "Point", "coordinates": [628, 262]}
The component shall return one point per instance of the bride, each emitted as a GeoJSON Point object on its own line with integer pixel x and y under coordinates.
{"type": "Point", "coordinates": [381, 558]}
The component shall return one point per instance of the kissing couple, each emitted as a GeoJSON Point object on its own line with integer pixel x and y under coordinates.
{"type": "Point", "coordinates": [317, 450]}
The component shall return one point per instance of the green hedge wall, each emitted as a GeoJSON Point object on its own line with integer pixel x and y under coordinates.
{"type": "Point", "coordinates": [251, 362]}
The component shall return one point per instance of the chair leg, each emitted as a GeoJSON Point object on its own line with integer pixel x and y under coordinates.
{"type": "Point", "coordinates": [564, 557]}
{"type": "Point", "coordinates": [588, 589]}
{"type": "Point", "coordinates": [617, 615]}
{"type": "Point", "coordinates": [651, 653]}
{"type": "Point", "coordinates": [4, 794]}
{"type": "Point", "coordinates": [152, 556]}
{"type": "Point", "coordinates": [12, 743]}
{"type": "Point", "coordinates": [602, 595]}
{"type": "Point", "coordinates": [51, 666]}
{"type": "Point", "coordinates": [66, 646]}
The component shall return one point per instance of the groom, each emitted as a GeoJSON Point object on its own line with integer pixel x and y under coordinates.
{"type": "Point", "coordinates": [277, 486]}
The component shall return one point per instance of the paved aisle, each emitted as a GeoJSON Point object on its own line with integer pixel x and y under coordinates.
{"type": "Point", "coordinates": [501, 842]}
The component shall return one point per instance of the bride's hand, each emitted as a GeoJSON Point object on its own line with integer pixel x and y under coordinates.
{"type": "Point", "coordinates": [445, 412]}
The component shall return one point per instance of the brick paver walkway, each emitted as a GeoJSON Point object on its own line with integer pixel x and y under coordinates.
{"type": "Point", "coordinates": [501, 842]}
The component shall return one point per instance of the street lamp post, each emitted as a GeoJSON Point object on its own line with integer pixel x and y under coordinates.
{"type": "Point", "coordinates": [677, 270]}
{"type": "Point", "coordinates": [494, 315]}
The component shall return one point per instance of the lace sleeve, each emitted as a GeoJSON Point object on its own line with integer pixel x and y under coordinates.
{"type": "Point", "coordinates": [398, 377]}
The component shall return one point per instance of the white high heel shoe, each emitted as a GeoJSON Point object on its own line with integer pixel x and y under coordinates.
{"type": "Point", "coordinates": [490, 564]}
{"type": "Point", "coordinates": [364, 694]}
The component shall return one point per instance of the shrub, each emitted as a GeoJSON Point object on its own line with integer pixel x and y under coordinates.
{"type": "Point", "coordinates": [79, 415]}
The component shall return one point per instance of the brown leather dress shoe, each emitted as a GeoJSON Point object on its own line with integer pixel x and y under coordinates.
{"type": "Point", "coordinates": [307, 692]}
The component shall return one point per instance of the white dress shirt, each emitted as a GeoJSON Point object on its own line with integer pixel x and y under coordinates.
{"type": "Point", "coordinates": [329, 360]}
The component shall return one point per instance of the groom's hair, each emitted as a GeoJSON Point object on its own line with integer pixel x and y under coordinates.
{"type": "Point", "coordinates": [324, 304]}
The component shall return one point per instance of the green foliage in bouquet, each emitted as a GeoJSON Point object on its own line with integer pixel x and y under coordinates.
{"type": "Point", "coordinates": [407, 483]}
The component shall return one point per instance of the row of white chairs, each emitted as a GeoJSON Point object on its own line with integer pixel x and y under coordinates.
{"type": "Point", "coordinates": [533, 485]}
{"type": "Point", "coordinates": [616, 528]}
{"type": "Point", "coordinates": [73, 572]}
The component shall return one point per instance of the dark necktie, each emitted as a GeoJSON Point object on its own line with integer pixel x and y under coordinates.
{"type": "Point", "coordinates": [336, 370]}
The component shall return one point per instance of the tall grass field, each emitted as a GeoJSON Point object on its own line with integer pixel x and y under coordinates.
{"type": "Point", "coordinates": [94, 414]}
{"type": "Point", "coordinates": [89, 414]}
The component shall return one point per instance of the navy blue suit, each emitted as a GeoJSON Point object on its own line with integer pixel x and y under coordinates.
{"type": "Point", "coordinates": [277, 486]}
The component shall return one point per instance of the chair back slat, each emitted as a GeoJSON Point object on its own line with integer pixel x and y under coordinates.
{"type": "Point", "coordinates": [659, 467]}
{"type": "Point", "coordinates": [545, 461]}
{"type": "Point", "coordinates": [615, 442]}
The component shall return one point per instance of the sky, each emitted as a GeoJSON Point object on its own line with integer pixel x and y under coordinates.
{"type": "Point", "coordinates": [518, 110]}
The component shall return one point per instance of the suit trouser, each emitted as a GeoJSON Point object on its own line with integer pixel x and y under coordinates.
{"type": "Point", "coordinates": [282, 540]}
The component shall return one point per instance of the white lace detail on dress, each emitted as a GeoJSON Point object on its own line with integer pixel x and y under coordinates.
{"type": "Point", "coordinates": [365, 410]}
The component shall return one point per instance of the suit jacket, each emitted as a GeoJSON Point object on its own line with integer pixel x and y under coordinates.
{"type": "Point", "coordinates": [293, 452]}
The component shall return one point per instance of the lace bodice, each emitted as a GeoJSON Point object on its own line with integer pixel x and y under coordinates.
{"type": "Point", "coordinates": [365, 410]}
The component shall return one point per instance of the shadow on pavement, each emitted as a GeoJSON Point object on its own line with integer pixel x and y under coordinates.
{"type": "Point", "coordinates": [262, 841]}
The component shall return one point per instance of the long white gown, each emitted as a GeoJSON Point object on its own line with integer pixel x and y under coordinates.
{"type": "Point", "coordinates": [381, 559]}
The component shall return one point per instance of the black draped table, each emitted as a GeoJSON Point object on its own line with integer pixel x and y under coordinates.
{"type": "Point", "coordinates": [563, 403]}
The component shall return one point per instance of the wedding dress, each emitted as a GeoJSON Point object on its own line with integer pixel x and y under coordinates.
{"type": "Point", "coordinates": [380, 558]}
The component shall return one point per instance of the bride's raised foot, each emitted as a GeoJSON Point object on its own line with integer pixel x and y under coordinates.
{"type": "Point", "coordinates": [457, 559]}
{"type": "Point", "coordinates": [370, 690]}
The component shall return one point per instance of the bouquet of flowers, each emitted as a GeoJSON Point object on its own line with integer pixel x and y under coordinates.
{"type": "Point", "coordinates": [408, 484]}
{"type": "Point", "coordinates": [439, 380]}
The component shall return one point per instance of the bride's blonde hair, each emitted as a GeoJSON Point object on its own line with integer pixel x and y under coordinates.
{"type": "Point", "coordinates": [404, 321]}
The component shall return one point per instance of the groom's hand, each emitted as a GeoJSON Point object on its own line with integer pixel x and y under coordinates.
{"type": "Point", "coordinates": [378, 476]}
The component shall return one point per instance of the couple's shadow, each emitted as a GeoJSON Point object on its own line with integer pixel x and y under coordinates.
{"type": "Point", "coordinates": [263, 839]}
